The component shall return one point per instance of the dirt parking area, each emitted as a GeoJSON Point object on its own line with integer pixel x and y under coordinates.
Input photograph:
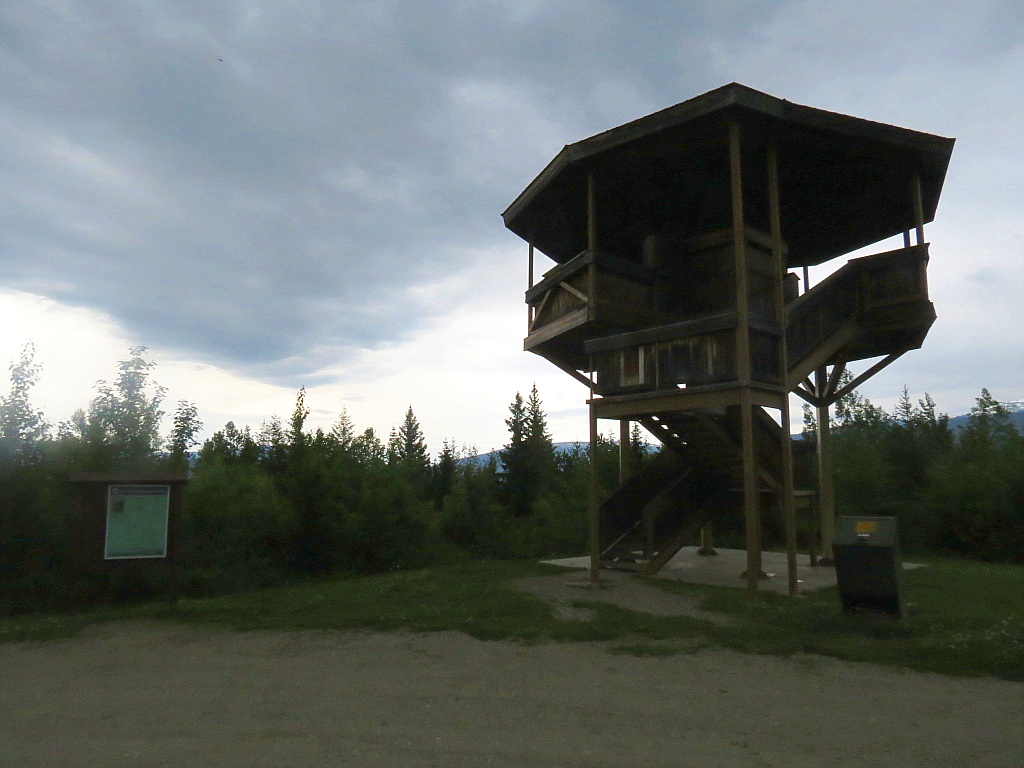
{"type": "Point", "coordinates": [154, 694]}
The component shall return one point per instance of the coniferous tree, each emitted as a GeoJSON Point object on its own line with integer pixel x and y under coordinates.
{"type": "Point", "coordinates": [273, 445]}
{"type": "Point", "coordinates": [407, 451]}
{"type": "Point", "coordinates": [515, 458]}
{"type": "Point", "coordinates": [185, 426]}
{"type": "Point", "coordinates": [638, 448]}
{"type": "Point", "coordinates": [443, 472]}
{"type": "Point", "coordinates": [538, 439]}
{"type": "Point", "coordinates": [529, 457]}
{"type": "Point", "coordinates": [343, 431]}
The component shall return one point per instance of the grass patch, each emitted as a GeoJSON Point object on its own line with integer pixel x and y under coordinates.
{"type": "Point", "coordinates": [964, 618]}
{"type": "Point", "coordinates": [36, 627]}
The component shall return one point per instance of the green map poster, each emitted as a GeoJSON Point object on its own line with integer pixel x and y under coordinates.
{"type": "Point", "coordinates": [137, 521]}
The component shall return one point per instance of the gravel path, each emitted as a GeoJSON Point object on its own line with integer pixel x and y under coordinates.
{"type": "Point", "coordinates": [152, 694]}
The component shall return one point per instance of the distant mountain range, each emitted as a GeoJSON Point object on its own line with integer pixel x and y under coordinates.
{"type": "Point", "coordinates": [1015, 407]}
{"type": "Point", "coordinates": [483, 459]}
{"type": "Point", "coordinates": [956, 423]}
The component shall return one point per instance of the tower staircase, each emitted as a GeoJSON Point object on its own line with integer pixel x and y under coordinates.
{"type": "Point", "coordinates": [874, 305]}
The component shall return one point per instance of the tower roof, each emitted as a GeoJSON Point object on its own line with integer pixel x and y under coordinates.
{"type": "Point", "coordinates": [844, 182]}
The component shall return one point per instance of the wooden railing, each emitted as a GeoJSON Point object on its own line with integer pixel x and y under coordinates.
{"type": "Point", "coordinates": [594, 287]}
{"type": "Point", "coordinates": [685, 354]}
{"type": "Point", "coordinates": [861, 287]}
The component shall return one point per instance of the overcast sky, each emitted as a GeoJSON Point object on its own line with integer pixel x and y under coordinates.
{"type": "Point", "coordinates": [272, 195]}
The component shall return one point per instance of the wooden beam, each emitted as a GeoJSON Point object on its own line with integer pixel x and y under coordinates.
{"type": "Point", "coordinates": [594, 508]}
{"type": "Point", "coordinates": [572, 372]}
{"type": "Point", "coordinates": [833, 345]}
{"type": "Point", "coordinates": [556, 327]}
{"type": "Point", "coordinates": [826, 478]}
{"type": "Point", "coordinates": [833, 379]}
{"type": "Point", "coordinates": [919, 225]}
{"type": "Point", "coordinates": [707, 540]}
{"type": "Point", "coordinates": [887, 360]}
{"type": "Point", "coordinates": [678, 400]}
{"type": "Point", "coordinates": [591, 213]}
{"type": "Point", "coordinates": [540, 308]}
{"type": "Point", "coordinates": [624, 469]}
{"type": "Point", "coordinates": [575, 292]}
{"type": "Point", "coordinates": [529, 284]}
{"type": "Point", "coordinates": [739, 238]}
{"type": "Point", "coordinates": [751, 495]}
{"type": "Point", "coordinates": [915, 192]}
{"type": "Point", "coordinates": [799, 391]}
{"type": "Point", "coordinates": [788, 506]}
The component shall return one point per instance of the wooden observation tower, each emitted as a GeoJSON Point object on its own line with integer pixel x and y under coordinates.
{"type": "Point", "coordinates": [672, 298]}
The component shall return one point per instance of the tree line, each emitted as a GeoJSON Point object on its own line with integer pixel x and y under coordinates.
{"type": "Point", "coordinates": [958, 491]}
{"type": "Point", "coordinates": [286, 501]}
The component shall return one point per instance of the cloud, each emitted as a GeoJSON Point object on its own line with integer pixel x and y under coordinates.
{"type": "Point", "coordinates": [292, 192]}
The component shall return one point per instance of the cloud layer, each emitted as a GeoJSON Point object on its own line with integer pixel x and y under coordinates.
{"type": "Point", "coordinates": [278, 189]}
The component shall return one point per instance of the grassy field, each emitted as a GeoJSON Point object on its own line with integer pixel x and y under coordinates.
{"type": "Point", "coordinates": [964, 618]}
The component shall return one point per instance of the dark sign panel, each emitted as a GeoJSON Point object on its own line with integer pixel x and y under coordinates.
{"type": "Point", "coordinates": [868, 565]}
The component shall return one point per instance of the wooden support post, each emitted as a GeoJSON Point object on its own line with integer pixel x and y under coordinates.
{"type": "Point", "coordinates": [592, 247]}
{"type": "Point", "coordinates": [812, 535]}
{"type": "Point", "coordinates": [788, 508]}
{"type": "Point", "coordinates": [591, 213]}
{"type": "Point", "coordinates": [915, 186]}
{"type": "Point", "coordinates": [751, 491]}
{"type": "Point", "coordinates": [707, 540]}
{"type": "Point", "coordinates": [751, 495]}
{"type": "Point", "coordinates": [530, 275]}
{"type": "Point", "coordinates": [826, 480]}
{"type": "Point", "coordinates": [739, 237]}
{"type": "Point", "coordinates": [529, 285]}
{"type": "Point", "coordinates": [625, 460]}
{"type": "Point", "coordinates": [918, 204]}
{"type": "Point", "coordinates": [595, 511]}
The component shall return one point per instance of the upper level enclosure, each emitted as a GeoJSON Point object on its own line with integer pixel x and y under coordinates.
{"type": "Point", "coordinates": [673, 236]}
{"type": "Point", "coordinates": [844, 182]}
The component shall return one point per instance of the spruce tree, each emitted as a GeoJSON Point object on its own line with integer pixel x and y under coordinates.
{"type": "Point", "coordinates": [515, 458]}
{"type": "Point", "coordinates": [343, 431]}
{"type": "Point", "coordinates": [407, 449]}
{"type": "Point", "coordinates": [529, 457]}
{"type": "Point", "coordinates": [537, 436]}
{"type": "Point", "coordinates": [186, 426]}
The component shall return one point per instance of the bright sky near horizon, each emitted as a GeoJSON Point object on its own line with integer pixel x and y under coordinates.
{"type": "Point", "coordinates": [272, 195]}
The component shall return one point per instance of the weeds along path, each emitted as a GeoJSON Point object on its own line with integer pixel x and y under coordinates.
{"type": "Point", "coordinates": [139, 693]}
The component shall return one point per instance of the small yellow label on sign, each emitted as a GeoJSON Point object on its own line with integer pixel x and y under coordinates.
{"type": "Point", "coordinates": [867, 526]}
